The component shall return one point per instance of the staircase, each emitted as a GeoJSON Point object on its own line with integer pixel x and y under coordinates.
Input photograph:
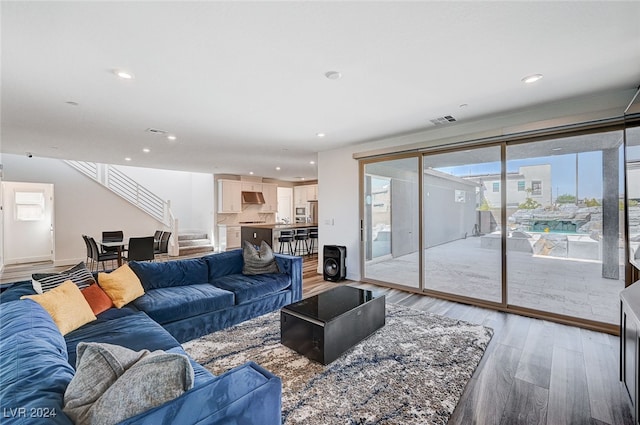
{"type": "Point", "coordinates": [193, 243]}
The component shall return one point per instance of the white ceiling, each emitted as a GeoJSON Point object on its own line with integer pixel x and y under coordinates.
{"type": "Point", "coordinates": [242, 85]}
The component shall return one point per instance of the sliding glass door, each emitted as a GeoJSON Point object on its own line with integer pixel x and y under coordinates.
{"type": "Point", "coordinates": [633, 193]}
{"type": "Point", "coordinates": [461, 216]}
{"type": "Point", "coordinates": [529, 226]}
{"type": "Point", "coordinates": [565, 217]}
{"type": "Point", "coordinates": [390, 227]}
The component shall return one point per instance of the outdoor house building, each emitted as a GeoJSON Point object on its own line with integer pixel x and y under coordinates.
{"type": "Point", "coordinates": [473, 160]}
{"type": "Point", "coordinates": [533, 181]}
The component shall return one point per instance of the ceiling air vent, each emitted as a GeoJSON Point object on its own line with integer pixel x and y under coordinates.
{"type": "Point", "coordinates": [155, 131]}
{"type": "Point", "coordinates": [443, 120]}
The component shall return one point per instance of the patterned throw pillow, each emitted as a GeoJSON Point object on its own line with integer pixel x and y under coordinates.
{"type": "Point", "coordinates": [78, 274]}
{"type": "Point", "coordinates": [258, 261]}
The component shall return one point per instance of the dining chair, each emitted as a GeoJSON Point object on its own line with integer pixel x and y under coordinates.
{"type": "Point", "coordinates": [112, 236]}
{"type": "Point", "coordinates": [100, 257]}
{"type": "Point", "coordinates": [140, 249]}
{"type": "Point", "coordinates": [163, 246]}
{"type": "Point", "coordinates": [156, 240]}
{"type": "Point", "coordinates": [88, 246]}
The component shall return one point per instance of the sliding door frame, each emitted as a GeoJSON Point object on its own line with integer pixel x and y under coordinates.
{"type": "Point", "coordinates": [503, 142]}
{"type": "Point", "coordinates": [362, 165]}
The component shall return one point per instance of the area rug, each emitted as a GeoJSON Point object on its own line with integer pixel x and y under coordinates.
{"type": "Point", "coordinates": [412, 371]}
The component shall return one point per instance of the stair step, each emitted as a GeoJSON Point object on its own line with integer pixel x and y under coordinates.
{"type": "Point", "coordinates": [191, 236]}
{"type": "Point", "coordinates": [193, 242]}
{"type": "Point", "coordinates": [188, 250]}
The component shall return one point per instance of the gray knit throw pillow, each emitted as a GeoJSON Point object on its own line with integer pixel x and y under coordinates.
{"type": "Point", "coordinates": [113, 383]}
{"type": "Point", "coordinates": [258, 261]}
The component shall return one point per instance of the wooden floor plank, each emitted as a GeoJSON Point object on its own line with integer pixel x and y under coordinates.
{"type": "Point", "coordinates": [535, 363]}
{"type": "Point", "coordinates": [527, 405]}
{"type": "Point", "coordinates": [568, 393]}
{"type": "Point", "coordinates": [607, 400]}
{"type": "Point", "coordinates": [485, 396]}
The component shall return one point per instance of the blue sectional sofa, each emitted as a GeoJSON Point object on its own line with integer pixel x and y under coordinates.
{"type": "Point", "coordinates": [183, 299]}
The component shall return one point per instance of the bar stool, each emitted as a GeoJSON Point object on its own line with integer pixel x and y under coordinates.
{"type": "Point", "coordinates": [286, 237]}
{"type": "Point", "coordinates": [301, 237]}
{"type": "Point", "coordinates": [313, 237]}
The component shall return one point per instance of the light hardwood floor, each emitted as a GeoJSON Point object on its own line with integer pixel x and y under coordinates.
{"type": "Point", "coordinates": [533, 372]}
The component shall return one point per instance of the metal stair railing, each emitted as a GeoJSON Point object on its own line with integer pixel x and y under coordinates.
{"type": "Point", "coordinates": [128, 189]}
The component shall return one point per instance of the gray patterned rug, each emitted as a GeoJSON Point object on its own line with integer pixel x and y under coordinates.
{"type": "Point", "coordinates": [412, 371]}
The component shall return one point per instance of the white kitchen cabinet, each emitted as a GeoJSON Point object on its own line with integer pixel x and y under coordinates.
{"type": "Point", "coordinates": [270, 193]}
{"type": "Point", "coordinates": [304, 194]}
{"type": "Point", "coordinates": [300, 196]}
{"type": "Point", "coordinates": [233, 237]}
{"type": "Point", "coordinates": [312, 192]}
{"type": "Point", "coordinates": [251, 187]}
{"type": "Point", "coordinates": [229, 196]}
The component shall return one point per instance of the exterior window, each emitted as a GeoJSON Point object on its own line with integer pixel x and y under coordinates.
{"type": "Point", "coordinates": [521, 186]}
{"type": "Point", "coordinates": [496, 187]}
{"type": "Point", "coordinates": [29, 206]}
{"type": "Point", "coordinates": [536, 188]}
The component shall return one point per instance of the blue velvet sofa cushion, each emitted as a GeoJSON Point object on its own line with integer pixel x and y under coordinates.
{"type": "Point", "coordinates": [166, 305]}
{"type": "Point", "coordinates": [33, 364]}
{"type": "Point", "coordinates": [247, 394]}
{"type": "Point", "coordinates": [15, 291]}
{"type": "Point", "coordinates": [171, 273]}
{"type": "Point", "coordinates": [224, 263]}
{"type": "Point", "coordinates": [134, 330]}
{"type": "Point", "coordinates": [247, 288]}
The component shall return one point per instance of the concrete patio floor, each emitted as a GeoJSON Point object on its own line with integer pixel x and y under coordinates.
{"type": "Point", "coordinates": [559, 285]}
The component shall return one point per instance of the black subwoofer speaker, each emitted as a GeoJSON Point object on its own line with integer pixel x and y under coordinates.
{"type": "Point", "coordinates": [334, 266]}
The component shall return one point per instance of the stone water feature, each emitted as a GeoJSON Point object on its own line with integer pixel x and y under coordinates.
{"type": "Point", "coordinates": [568, 232]}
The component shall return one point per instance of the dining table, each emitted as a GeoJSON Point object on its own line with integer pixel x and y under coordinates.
{"type": "Point", "coordinates": [119, 245]}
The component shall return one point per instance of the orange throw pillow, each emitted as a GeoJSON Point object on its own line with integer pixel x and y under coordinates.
{"type": "Point", "coordinates": [98, 300]}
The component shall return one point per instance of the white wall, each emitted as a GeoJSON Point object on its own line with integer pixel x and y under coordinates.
{"type": "Point", "coordinates": [82, 206]}
{"type": "Point", "coordinates": [338, 222]}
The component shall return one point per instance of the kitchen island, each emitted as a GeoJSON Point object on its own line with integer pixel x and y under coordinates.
{"type": "Point", "coordinates": [256, 233]}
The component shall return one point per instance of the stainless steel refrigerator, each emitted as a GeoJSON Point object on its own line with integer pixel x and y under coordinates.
{"type": "Point", "coordinates": [312, 214]}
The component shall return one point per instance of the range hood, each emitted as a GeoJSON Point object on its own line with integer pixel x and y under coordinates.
{"type": "Point", "coordinates": [252, 198]}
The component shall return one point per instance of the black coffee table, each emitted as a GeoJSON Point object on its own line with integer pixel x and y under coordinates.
{"type": "Point", "coordinates": [326, 325]}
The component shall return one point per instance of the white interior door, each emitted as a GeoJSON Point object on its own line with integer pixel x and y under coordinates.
{"type": "Point", "coordinates": [285, 204]}
{"type": "Point", "coordinates": [28, 222]}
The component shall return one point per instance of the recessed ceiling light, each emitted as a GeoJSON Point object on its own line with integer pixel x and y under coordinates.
{"type": "Point", "coordinates": [333, 75]}
{"type": "Point", "coordinates": [278, 168]}
{"type": "Point", "coordinates": [301, 178]}
{"type": "Point", "coordinates": [127, 159]}
{"type": "Point", "coordinates": [251, 172]}
{"type": "Point", "coordinates": [556, 149]}
{"type": "Point", "coordinates": [171, 137]}
{"type": "Point", "coordinates": [123, 74]}
{"type": "Point", "coordinates": [531, 78]}
{"type": "Point", "coordinates": [312, 162]}
{"type": "Point", "coordinates": [320, 134]}
{"type": "Point", "coordinates": [146, 150]}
